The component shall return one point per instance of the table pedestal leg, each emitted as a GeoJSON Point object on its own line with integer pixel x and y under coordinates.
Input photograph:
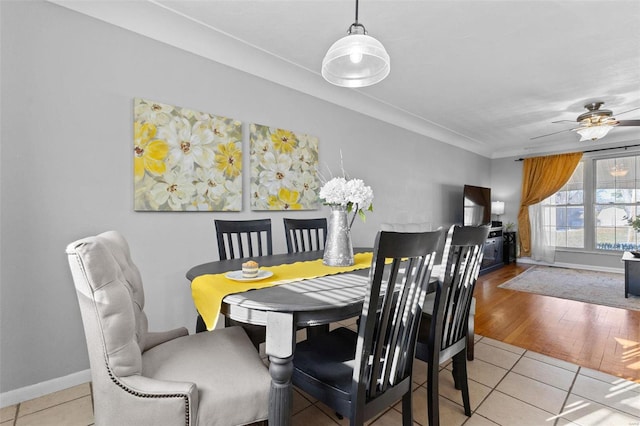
{"type": "Point", "coordinates": [280, 344]}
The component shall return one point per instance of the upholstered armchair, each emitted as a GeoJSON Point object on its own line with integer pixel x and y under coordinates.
{"type": "Point", "coordinates": [170, 378]}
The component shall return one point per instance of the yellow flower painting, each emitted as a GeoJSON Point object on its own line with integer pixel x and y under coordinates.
{"type": "Point", "coordinates": [186, 160]}
{"type": "Point", "coordinates": [284, 169]}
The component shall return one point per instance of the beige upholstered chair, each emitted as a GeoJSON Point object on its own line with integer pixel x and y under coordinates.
{"type": "Point", "coordinates": [171, 378]}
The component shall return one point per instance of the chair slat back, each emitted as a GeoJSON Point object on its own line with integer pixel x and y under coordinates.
{"type": "Point", "coordinates": [305, 234]}
{"type": "Point", "coordinates": [243, 238]}
{"type": "Point", "coordinates": [391, 314]}
{"type": "Point", "coordinates": [461, 264]}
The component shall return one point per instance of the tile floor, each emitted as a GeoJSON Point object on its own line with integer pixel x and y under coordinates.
{"type": "Point", "coordinates": [508, 386]}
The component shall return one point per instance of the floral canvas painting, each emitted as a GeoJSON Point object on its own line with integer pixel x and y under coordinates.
{"type": "Point", "coordinates": [284, 169]}
{"type": "Point", "coordinates": [185, 160]}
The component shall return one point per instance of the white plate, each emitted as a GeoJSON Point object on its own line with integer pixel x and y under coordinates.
{"type": "Point", "coordinates": [237, 276]}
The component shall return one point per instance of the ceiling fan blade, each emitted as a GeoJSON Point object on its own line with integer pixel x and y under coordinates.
{"type": "Point", "coordinates": [628, 111]}
{"type": "Point", "coordinates": [554, 133]}
{"type": "Point", "coordinates": [562, 121]}
{"type": "Point", "coordinates": [628, 122]}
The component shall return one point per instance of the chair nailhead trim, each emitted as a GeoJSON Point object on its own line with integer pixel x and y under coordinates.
{"type": "Point", "coordinates": [148, 395]}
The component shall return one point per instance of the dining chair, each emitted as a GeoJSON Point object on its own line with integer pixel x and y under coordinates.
{"type": "Point", "coordinates": [445, 318]}
{"type": "Point", "coordinates": [168, 378]}
{"type": "Point", "coordinates": [361, 374]}
{"type": "Point", "coordinates": [426, 226]}
{"type": "Point", "coordinates": [239, 239]}
{"type": "Point", "coordinates": [243, 238]}
{"type": "Point", "coordinates": [305, 234]}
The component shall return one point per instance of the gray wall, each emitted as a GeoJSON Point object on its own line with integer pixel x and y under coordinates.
{"type": "Point", "coordinates": [68, 83]}
{"type": "Point", "coordinates": [506, 185]}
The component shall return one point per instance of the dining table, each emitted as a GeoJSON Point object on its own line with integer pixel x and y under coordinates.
{"type": "Point", "coordinates": [285, 308]}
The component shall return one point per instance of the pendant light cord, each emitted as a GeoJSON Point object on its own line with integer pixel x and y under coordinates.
{"type": "Point", "coordinates": [357, 25]}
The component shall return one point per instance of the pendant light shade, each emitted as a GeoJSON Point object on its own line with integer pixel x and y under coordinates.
{"type": "Point", "coordinates": [356, 60]}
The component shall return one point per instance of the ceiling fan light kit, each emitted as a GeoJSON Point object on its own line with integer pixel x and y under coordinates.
{"type": "Point", "coordinates": [593, 132]}
{"type": "Point", "coordinates": [356, 60]}
{"type": "Point", "coordinates": [596, 123]}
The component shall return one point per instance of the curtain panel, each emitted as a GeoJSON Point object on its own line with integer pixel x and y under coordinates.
{"type": "Point", "coordinates": [541, 178]}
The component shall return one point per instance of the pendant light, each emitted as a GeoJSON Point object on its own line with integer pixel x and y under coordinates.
{"type": "Point", "coordinates": [356, 60]}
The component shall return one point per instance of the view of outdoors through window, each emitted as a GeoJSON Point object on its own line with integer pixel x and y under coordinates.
{"type": "Point", "coordinates": [615, 200]}
{"type": "Point", "coordinates": [610, 195]}
{"type": "Point", "coordinates": [564, 213]}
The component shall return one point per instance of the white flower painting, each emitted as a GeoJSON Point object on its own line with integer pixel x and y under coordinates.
{"type": "Point", "coordinates": [185, 160]}
{"type": "Point", "coordinates": [284, 169]}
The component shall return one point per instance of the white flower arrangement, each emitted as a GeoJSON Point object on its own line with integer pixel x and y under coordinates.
{"type": "Point", "coordinates": [353, 193]}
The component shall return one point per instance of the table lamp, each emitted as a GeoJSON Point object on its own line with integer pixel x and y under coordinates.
{"type": "Point", "coordinates": [497, 208]}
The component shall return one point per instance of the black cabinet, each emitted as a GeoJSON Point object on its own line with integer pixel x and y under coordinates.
{"type": "Point", "coordinates": [509, 247]}
{"type": "Point", "coordinates": [493, 257]}
{"type": "Point", "coordinates": [631, 274]}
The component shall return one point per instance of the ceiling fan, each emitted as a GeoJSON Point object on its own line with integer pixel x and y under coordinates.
{"type": "Point", "coordinates": [595, 123]}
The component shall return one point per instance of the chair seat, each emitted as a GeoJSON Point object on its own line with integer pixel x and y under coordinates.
{"type": "Point", "coordinates": [327, 361]}
{"type": "Point", "coordinates": [226, 369]}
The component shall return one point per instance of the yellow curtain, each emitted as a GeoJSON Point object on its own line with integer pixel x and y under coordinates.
{"type": "Point", "coordinates": [541, 178]}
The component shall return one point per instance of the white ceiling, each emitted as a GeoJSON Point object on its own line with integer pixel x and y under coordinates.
{"type": "Point", "coordinates": [483, 75]}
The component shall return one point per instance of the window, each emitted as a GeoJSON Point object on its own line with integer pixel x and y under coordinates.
{"type": "Point", "coordinates": [616, 195]}
{"type": "Point", "coordinates": [564, 212]}
{"type": "Point", "coordinates": [594, 209]}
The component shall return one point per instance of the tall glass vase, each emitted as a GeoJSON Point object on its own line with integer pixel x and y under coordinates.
{"type": "Point", "coordinates": [338, 250]}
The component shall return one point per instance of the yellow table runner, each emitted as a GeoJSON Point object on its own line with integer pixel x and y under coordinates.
{"type": "Point", "coordinates": [209, 290]}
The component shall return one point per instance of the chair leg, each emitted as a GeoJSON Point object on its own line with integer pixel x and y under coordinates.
{"type": "Point", "coordinates": [470, 338]}
{"type": "Point", "coordinates": [460, 379]}
{"type": "Point", "coordinates": [455, 372]}
{"type": "Point", "coordinates": [433, 409]}
{"type": "Point", "coordinates": [407, 409]}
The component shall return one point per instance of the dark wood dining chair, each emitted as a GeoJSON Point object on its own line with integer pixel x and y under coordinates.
{"type": "Point", "coordinates": [305, 234]}
{"type": "Point", "coordinates": [361, 374]}
{"type": "Point", "coordinates": [445, 321]}
{"type": "Point", "coordinates": [243, 238]}
{"type": "Point", "coordinates": [239, 239]}
{"type": "Point", "coordinates": [426, 226]}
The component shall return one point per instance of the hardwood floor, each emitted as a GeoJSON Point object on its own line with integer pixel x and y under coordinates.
{"type": "Point", "coordinates": [593, 336]}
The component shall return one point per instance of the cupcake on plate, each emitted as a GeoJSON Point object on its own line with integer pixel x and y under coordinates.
{"type": "Point", "coordinates": [250, 269]}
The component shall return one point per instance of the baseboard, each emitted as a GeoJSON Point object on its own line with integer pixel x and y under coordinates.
{"type": "Point", "coordinates": [43, 388]}
{"type": "Point", "coordinates": [530, 261]}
